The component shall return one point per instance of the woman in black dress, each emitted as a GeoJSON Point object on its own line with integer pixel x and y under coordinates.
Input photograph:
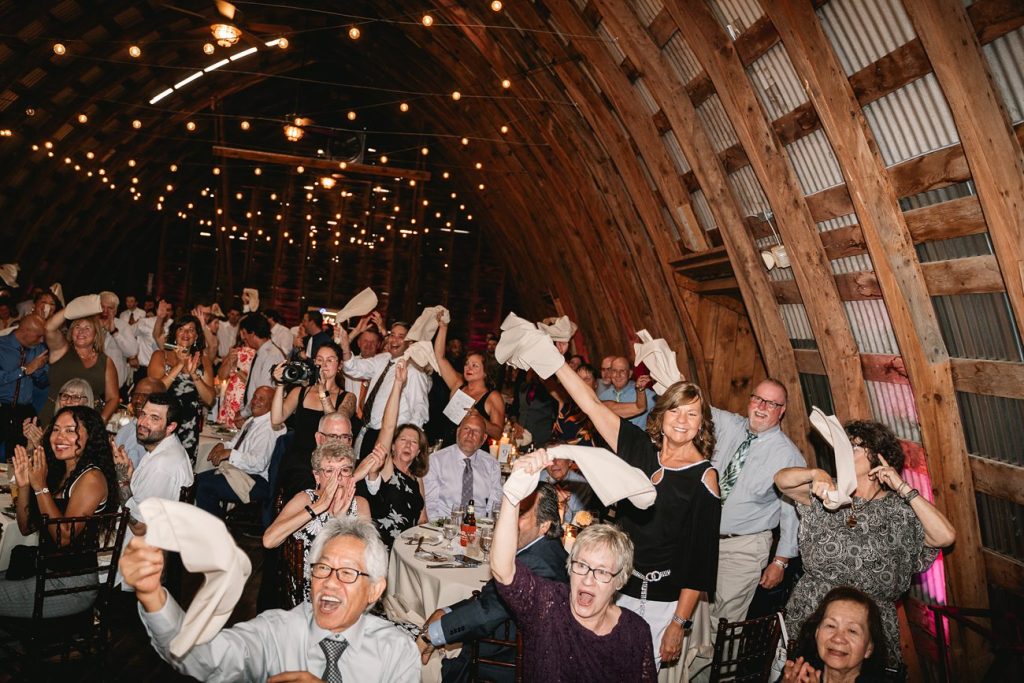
{"type": "Point", "coordinates": [397, 465]}
{"type": "Point", "coordinates": [472, 381]}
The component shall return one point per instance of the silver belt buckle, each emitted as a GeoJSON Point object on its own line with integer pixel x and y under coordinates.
{"type": "Point", "coordinates": [653, 576]}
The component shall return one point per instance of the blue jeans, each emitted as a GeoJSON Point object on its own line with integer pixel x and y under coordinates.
{"type": "Point", "coordinates": [212, 488]}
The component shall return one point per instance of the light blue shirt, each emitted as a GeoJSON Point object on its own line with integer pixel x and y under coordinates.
{"type": "Point", "coordinates": [126, 437]}
{"type": "Point", "coordinates": [442, 485]}
{"type": "Point", "coordinates": [627, 394]}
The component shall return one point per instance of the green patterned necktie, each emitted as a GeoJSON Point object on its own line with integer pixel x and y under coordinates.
{"type": "Point", "coordinates": [732, 472]}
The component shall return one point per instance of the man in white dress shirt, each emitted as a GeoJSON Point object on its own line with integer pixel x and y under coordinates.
{"type": "Point", "coordinates": [462, 472]}
{"type": "Point", "coordinates": [131, 314]}
{"type": "Point", "coordinates": [166, 467]}
{"type": "Point", "coordinates": [120, 343]}
{"type": "Point", "coordinates": [368, 344]}
{"type": "Point", "coordinates": [249, 451]}
{"type": "Point", "coordinates": [254, 329]}
{"type": "Point", "coordinates": [279, 333]}
{"type": "Point", "coordinates": [331, 638]}
{"type": "Point", "coordinates": [380, 372]}
{"type": "Point", "coordinates": [147, 332]}
{"type": "Point", "coordinates": [227, 331]}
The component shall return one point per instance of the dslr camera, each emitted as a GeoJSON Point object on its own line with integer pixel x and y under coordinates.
{"type": "Point", "coordinates": [298, 372]}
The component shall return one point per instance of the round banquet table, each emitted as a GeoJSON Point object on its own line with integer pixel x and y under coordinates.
{"type": "Point", "coordinates": [208, 438]}
{"type": "Point", "coordinates": [10, 535]}
{"type": "Point", "coordinates": [414, 591]}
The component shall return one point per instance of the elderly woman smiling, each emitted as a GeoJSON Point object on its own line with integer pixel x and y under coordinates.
{"type": "Point", "coordinates": [581, 635]}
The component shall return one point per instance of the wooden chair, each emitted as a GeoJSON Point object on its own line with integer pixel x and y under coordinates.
{"type": "Point", "coordinates": [292, 580]}
{"type": "Point", "coordinates": [507, 641]}
{"type": "Point", "coordinates": [95, 548]}
{"type": "Point", "coordinates": [745, 650]}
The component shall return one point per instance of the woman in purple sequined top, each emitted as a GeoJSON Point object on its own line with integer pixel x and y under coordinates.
{"type": "Point", "coordinates": [578, 634]}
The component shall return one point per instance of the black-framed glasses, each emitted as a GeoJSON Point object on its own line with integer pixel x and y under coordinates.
{"type": "Point", "coordinates": [771, 405]}
{"type": "Point", "coordinates": [67, 398]}
{"type": "Point", "coordinates": [582, 569]}
{"type": "Point", "coordinates": [345, 438]}
{"type": "Point", "coordinates": [320, 570]}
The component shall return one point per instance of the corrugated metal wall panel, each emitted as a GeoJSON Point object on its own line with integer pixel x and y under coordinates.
{"type": "Point", "coordinates": [676, 152]}
{"type": "Point", "coordinates": [911, 121]}
{"type": "Point", "coordinates": [647, 10]}
{"type": "Point", "coordinates": [852, 264]}
{"type": "Point", "coordinates": [703, 210]}
{"type": "Point", "coordinates": [740, 13]}
{"type": "Point", "coordinates": [776, 83]}
{"type": "Point", "coordinates": [611, 42]}
{"type": "Point", "coordinates": [955, 247]}
{"type": "Point", "coordinates": [1001, 524]}
{"type": "Point", "coordinates": [681, 57]}
{"type": "Point", "coordinates": [993, 426]}
{"type": "Point", "coordinates": [839, 222]}
{"type": "Point", "coordinates": [814, 162]}
{"type": "Point", "coordinates": [937, 196]}
{"type": "Point", "coordinates": [978, 326]}
{"type": "Point", "coordinates": [862, 31]}
{"type": "Point", "coordinates": [893, 405]}
{"type": "Point", "coordinates": [748, 191]}
{"type": "Point", "coordinates": [645, 96]}
{"type": "Point", "coordinates": [1005, 56]}
{"type": "Point", "coordinates": [799, 327]}
{"type": "Point", "coordinates": [716, 124]}
{"type": "Point", "coordinates": [871, 326]}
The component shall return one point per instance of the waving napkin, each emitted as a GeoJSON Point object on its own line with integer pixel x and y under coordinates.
{"type": "Point", "coordinates": [362, 303]}
{"type": "Point", "coordinates": [422, 354]}
{"type": "Point", "coordinates": [205, 546]}
{"type": "Point", "coordinates": [250, 300]}
{"type": "Point", "coordinates": [9, 274]}
{"type": "Point", "coordinates": [846, 478]}
{"type": "Point", "coordinates": [83, 307]}
{"type": "Point", "coordinates": [660, 360]}
{"type": "Point", "coordinates": [527, 348]}
{"type": "Point", "coordinates": [58, 292]}
{"type": "Point", "coordinates": [609, 475]}
{"type": "Point", "coordinates": [426, 325]}
{"type": "Point", "coordinates": [559, 329]}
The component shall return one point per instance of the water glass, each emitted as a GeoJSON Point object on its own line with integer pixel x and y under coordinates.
{"type": "Point", "coordinates": [457, 512]}
{"type": "Point", "coordinates": [450, 530]}
{"type": "Point", "coordinates": [486, 536]}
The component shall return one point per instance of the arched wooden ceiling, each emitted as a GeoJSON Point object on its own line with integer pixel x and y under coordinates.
{"type": "Point", "coordinates": [648, 142]}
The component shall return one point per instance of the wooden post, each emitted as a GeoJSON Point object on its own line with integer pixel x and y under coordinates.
{"type": "Point", "coordinates": [903, 287]}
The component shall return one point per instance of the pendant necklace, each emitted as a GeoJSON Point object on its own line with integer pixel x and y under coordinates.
{"type": "Point", "coordinates": [851, 520]}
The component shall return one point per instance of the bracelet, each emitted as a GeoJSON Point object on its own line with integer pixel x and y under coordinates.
{"type": "Point", "coordinates": [780, 563]}
{"type": "Point", "coordinates": [687, 624]}
{"type": "Point", "coordinates": [312, 514]}
{"type": "Point", "coordinates": [911, 495]}
{"type": "Point", "coordinates": [42, 491]}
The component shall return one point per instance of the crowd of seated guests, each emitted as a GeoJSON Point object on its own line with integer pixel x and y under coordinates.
{"type": "Point", "coordinates": [735, 502]}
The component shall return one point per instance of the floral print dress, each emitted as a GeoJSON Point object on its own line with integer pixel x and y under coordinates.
{"type": "Point", "coordinates": [395, 507]}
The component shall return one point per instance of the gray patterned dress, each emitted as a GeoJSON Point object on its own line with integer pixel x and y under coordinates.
{"type": "Point", "coordinates": [879, 555]}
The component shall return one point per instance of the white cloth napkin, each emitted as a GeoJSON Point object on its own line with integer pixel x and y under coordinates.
{"type": "Point", "coordinates": [239, 481]}
{"type": "Point", "coordinates": [422, 354]}
{"type": "Point", "coordinates": [9, 274]}
{"type": "Point", "coordinates": [609, 475]}
{"type": "Point", "coordinates": [527, 348]}
{"type": "Point", "coordinates": [206, 547]}
{"type": "Point", "coordinates": [426, 325]}
{"type": "Point", "coordinates": [58, 292]}
{"type": "Point", "coordinates": [358, 306]}
{"type": "Point", "coordinates": [83, 307]}
{"type": "Point", "coordinates": [559, 329]}
{"type": "Point", "coordinates": [250, 300]}
{"type": "Point", "coordinates": [660, 360]}
{"type": "Point", "coordinates": [846, 477]}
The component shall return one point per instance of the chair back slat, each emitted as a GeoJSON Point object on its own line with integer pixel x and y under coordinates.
{"type": "Point", "coordinates": [745, 650]}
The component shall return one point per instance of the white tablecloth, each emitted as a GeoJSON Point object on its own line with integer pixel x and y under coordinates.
{"type": "Point", "coordinates": [11, 535]}
{"type": "Point", "coordinates": [208, 438]}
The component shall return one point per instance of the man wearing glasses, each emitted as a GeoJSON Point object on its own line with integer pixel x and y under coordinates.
{"type": "Point", "coordinates": [328, 638]}
{"type": "Point", "coordinates": [748, 453]}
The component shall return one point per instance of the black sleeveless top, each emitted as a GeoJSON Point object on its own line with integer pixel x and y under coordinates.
{"type": "Point", "coordinates": [61, 500]}
{"type": "Point", "coordinates": [450, 428]}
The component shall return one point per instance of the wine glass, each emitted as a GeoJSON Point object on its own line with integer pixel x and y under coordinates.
{"type": "Point", "coordinates": [449, 530]}
{"type": "Point", "coordinates": [486, 536]}
{"type": "Point", "coordinates": [457, 512]}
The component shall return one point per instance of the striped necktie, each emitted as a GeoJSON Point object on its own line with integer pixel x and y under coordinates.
{"type": "Point", "coordinates": [732, 472]}
{"type": "Point", "coordinates": [467, 481]}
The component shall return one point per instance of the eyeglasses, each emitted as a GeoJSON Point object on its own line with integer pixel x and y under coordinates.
{"type": "Point", "coordinates": [344, 574]}
{"type": "Point", "coordinates": [582, 569]}
{"type": "Point", "coordinates": [771, 405]}
{"type": "Point", "coordinates": [343, 471]}
{"type": "Point", "coordinates": [347, 438]}
{"type": "Point", "coordinates": [67, 398]}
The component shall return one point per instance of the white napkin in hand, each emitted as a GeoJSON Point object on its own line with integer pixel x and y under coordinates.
{"type": "Point", "coordinates": [660, 360]}
{"type": "Point", "coordinates": [559, 329]}
{"type": "Point", "coordinates": [422, 354]}
{"type": "Point", "coordinates": [524, 346]}
{"type": "Point", "coordinates": [250, 300]}
{"type": "Point", "coordinates": [83, 307]}
{"type": "Point", "coordinates": [426, 325]}
{"type": "Point", "coordinates": [846, 477]}
{"type": "Point", "coordinates": [362, 303]}
{"type": "Point", "coordinates": [206, 547]}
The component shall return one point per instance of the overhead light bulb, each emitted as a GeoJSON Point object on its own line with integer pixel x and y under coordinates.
{"type": "Point", "coordinates": [245, 125]}
{"type": "Point", "coordinates": [428, 20]}
{"type": "Point", "coordinates": [82, 118]}
{"type": "Point", "coordinates": [354, 33]}
{"type": "Point", "coordinates": [59, 49]}
{"type": "Point", "coordinates": [282, 43]}
{"type": "Point", "coordinates": [496, 5]}
{"type": "Point", "coordinates": [456, 95]}
{"type": "Point", "coordinates": [190, 126]}
{"type": "Point", "coordinates": [351, 116]}
{"type": "Point", "coordinates": [136, 124]}
{"type": "Point", "coordinates": [135, 51]}
{"type": "Point", "coordinates": [208, 48]}
{"type": "Point", "coordinates": [506, 83]}
{"type": "Point", "coordinates": [403, 107]}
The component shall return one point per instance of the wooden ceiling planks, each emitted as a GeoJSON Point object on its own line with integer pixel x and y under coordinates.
{"type": "Point", "coordinates": [903, 287]}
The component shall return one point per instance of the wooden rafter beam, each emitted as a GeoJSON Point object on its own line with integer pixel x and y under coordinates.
{"type": "Point", "coordinates": [294, 160]}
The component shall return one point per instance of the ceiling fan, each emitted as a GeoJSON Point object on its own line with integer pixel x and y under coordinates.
{"type": "Point", "coordinates": [230, 26]}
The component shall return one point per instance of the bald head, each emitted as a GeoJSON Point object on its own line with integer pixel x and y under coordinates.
{"type": "Point", "coordinates": [472, 433]}
{"type": "Point", "coordinates": [30, 331]}
{"type": "Point", "coordinates": [141, 391]}
{"type": "Point", "coordinates": [620, 372]}
{"type": "Point", "coordinates": [261, 400]}
{"type": "Point", "coordinates": [334, 426]}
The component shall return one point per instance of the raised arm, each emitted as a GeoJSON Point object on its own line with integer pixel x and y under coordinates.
{"type": "Point", "coordinates": [451, 376]}
{"type": "Point", "coordinates": [938, 531]}
{"type": "Point", "coordinates": [798, 483]}
{"type": "Point", "coordinates": [605, 420]}
{"type": "Point", "coordinates": [281, 406]}
{"type": "Point", "coordinates": [389, 420]}
{"type": "Point", "coordinates": [56, 342]}
{"type": "Point", "coordinates": [506, 528]}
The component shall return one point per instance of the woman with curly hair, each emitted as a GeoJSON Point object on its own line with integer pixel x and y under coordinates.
{"type": "Point", "coordinates": [70, 475]}
{"type": "Point", "coordinates": [186, 372]}
{"type": "Point", "coordinates": [676, 539]}
{"type": "Point", "coordinates": [877, 543]}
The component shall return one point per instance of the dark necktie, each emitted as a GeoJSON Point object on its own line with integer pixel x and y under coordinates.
{"type": "Point", "coordinates": [467, 482]}
{"type": "Point", "coordinates": [732, 472]}
{"type": "Point", "coordinates": [333, 650]}
{"type": "Point", "coordinates": [245, 432]}
{"type": "Point", "coordinates": [368, 405]}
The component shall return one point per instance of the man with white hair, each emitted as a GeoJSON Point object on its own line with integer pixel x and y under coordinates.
{"type": "Point", "coordinates": [120, 343]}
{"type": "Point", "coordinates": [330, 638]}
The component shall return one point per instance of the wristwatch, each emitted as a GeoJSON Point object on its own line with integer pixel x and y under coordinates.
{"type": "Point", "coordinates": [687, 624]}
